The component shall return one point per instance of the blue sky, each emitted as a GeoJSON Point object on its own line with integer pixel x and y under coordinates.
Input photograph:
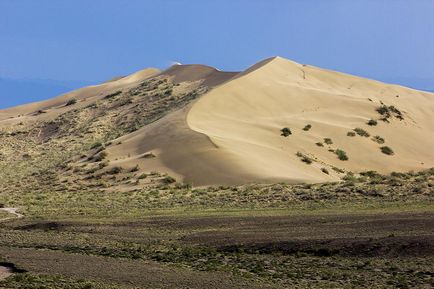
{"type": "Point", "coordinates": [77, 42]}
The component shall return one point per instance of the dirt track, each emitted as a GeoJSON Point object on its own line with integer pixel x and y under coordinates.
{"type": "Point", "coordinates": [12, 211]}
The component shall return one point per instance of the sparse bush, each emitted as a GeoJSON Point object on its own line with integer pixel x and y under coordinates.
{"type": "Point", "coordinates": [168, 180]}
{"type": "Point", "coordinates": [372, 122]}
{"type": "Point", "coordinates": [99, 157]}
{"type": "Point", "coordinates": [325, 171]}
{"type": "Point", "coordinates": [328, 141]}
{"type": "Point", "coordinates": [307, 127]}
{"type": "Point", "coordinates": [115, 170]}
{"type": "Point", "coordinates": [319, 144]}
{"type": "Point", "coordinates": [378, 139]}
{"type": "Point", "coordinates": [351, 133]}
{"type": "Point", "coordinates": [304, 158]}
{"type": "Point", "coordinates": [361, 132]}
{"type": "Point", "coordinates": [285, 132]}
{"type": "Point", "coordinates": [342, 155]}
{"type": "Point", "coordinates": [111, 95]}
{"type": "Point", "coordinates": [338, 170]}
{"type": "Point", "coordinates": [72, 101]}
{"type": "Point", "coordinates": [387, 150]}
{"type": "Point", "coordinates": [134, 169]}
{"type": "Point", "coordinates": [95, 145]}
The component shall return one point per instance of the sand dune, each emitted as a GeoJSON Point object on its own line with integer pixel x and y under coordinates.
{"type": "Point", "coordinates": [232, 134]}
{"type": "Point", "coordinates": [243, 118]}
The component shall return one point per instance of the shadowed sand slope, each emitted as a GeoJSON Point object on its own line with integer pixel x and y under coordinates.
{"type": "Point", "coordinates": [244, 116]}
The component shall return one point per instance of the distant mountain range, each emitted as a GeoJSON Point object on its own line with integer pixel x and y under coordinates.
{"type": "Point", "coordinates": [17, 91]}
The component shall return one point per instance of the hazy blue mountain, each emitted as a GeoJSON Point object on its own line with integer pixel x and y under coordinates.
{"type": "Point", "coordinates": [18, 91]}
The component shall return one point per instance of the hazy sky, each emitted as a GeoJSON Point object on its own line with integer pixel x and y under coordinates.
{"type": "Point", "coordinates": [95, 40]}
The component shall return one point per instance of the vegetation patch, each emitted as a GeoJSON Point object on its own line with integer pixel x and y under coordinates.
{"type": "Point", "coordinates": [351, 133]}
{"type": "Point", "coordinates": [342, 155]}
{"type": "Point", "coordinates": [71, 102]}
{"type": "Point", "coordinates": [387, 150]}
{"type": "Point", "coordinates": [285, 132]}
{"type": "Point", "coordinates": [372, 122]}
{"type": "Point", "coordinates": [378, 139]}
{"type": "Point", "coordinates": [328, 141]}
{"type": "Point", "coordinates": [307, 127]}
{"type": "Point", "coordinates": [361, 132]}
{"type": "Point", "coordinates": [305, 159]}
{"type": "Point", "coordinates": [388, 112]}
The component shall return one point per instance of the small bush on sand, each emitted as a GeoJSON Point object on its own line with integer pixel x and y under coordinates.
{"type": "Point", "coordinates": [285, 132]}
{"type": "Point", "coordinates": [361, 132]}
{"type": "Point", "coordinates": [71, 102]}
{"type": "Point", "coordinates": [304, 158]}
{"type": "Point", "coordinates": [351, 133]}
{"type": "Point", "coordinates": [319, 144]}
{"type": "Point", "coordinates": [378, 139]}
{"type": "Point", "coordinates": [115, 170]}
{"type": "Point", "coordinates": [95, 145]}
{"type": "Point", "coordinates": [328, 141]}
{"type": "Point", "coordinates": [325, 171]}
{"type": "Point", "coordinates": [387, 150]}
{"type": "Point", "coordinates": [307, 127]}
{"type": "Point", "coordinates": [168, 180]}
{"type": "Point", "coordinates": [342, 155]}
{"type": "Point", "coordinates": [372, 122]}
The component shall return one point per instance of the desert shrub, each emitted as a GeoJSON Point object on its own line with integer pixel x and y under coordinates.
{"type": "Point", "coordinates": [378, 139]}
{"type": "Point", "coordinates": [304, 158]}
{"type": "Point", "coordinates": [135, 169]}
{"type": "Point", "coordinates": [95, 145]}
{"type": "Point", "coordinates": [328, 141]}
{"type": "Point", "coordinates": [319, 144]}
{"type": "Point", "coordinates": [325, 171]}
{"type": "Point", "coordinates": [168, 180]}
{"type": "Point", "coordinates": [72, 101]}
{"type": "Point", "coordinates": [111, 95]}
{"type": "Point", "coordinates": [342, 155]}
{"type": "Point", "coordinates": [372, 122]}
{"type": "Point", "coordinates": [338, 170]}
{"type": "Point", "coordinates": [99, 157]}
{"type": "Point", "coordinates": [285, 132]}
{"type": "Point", "coordinates": [387, 150]}
{"type": "Point", "coordinates": [168, 92]}
{"type": "Point", "coordinates": [351, 133]}
{"type": "Point", "coordinates": [115, 170]}
{"type": "Point", "coordinates": [361, 132]}
{"type": "Point", "coordinates": [307, 127]}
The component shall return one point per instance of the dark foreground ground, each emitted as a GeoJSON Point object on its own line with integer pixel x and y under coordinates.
{"type": "Point", "coordinates": [368, 232]}
{"type": "Point", "coordinates": [231, 250]}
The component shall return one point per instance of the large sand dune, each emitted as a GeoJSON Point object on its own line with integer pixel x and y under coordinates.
{"type": "Point", "coordinates": [232, 135]}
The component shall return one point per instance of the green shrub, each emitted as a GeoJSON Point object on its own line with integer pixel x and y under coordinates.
{"type": "Point", "coordinates": [285, 132]}
{"type": "Point", "coordinates": [71, 102]}
{"type": "Point", "coordinates": [304, 158]}
{"type": "Point", "coordinates": [378, 139]}
{"type": "Point", "coordinates": [361, 132]}
{"type": "Point", "coordinates": [307, 127]}
{"type": "Point", "coordinates": [168, 180]}
{"type": "Point", "coordinates": [115, 170]}
{"type": "Point", "coordinates": [328, 141]}
{"type": "Point", "coordinates": [99, 157]}
{"type": "Point", "coordinates": [111, 95]}
{"type": "Point", "coordinates": [372, 122]}
{"type": "Point", "coordinates": [351, 133]}
{"type": "Point", "coordinates": [325, 171]}
{"type": "Point", "coordinates": [95, 145]}
{"type": "Point", "coordinates": [387, 150]}
{"type": "Point", "coordinates": [342, 155]}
